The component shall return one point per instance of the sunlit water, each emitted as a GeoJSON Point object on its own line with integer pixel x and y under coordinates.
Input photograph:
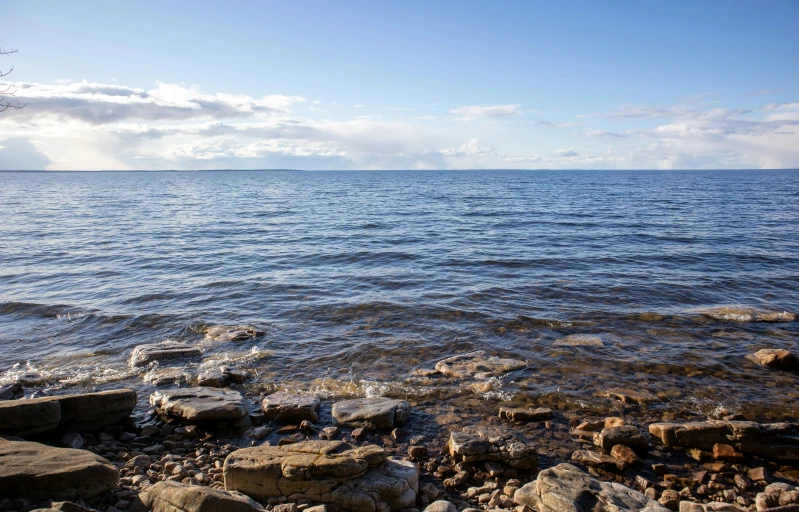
{"type": "Point", "coordinates": [359, 278]}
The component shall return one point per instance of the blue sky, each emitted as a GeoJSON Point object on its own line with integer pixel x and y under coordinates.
{"type": "Point", "coordinates": [365, 85]}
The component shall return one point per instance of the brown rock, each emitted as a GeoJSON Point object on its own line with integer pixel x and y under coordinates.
{"type": "Point", "coordinates": [515, 414]}
{"type": "Point", "coordinates": [775, 358]}
{"type": "Point", "coordinates": [627, 435]}
{"type": "Point", "coordinates": [285, 406]}
{"type": "Point", "coordinates": [477, 364]}
{"type": "Point", "coordinates": [626, 454]}
{"type": "Point", "coordinates": [172, 496]}
{"type": "Point", "coordinates": [598, 460]}
{"type": "Point", "coordinates": [727, 453]}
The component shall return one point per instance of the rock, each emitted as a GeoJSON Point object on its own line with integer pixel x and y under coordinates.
{"type": "Point", "coordinates": [10, 391]}
{"type": "Point", "coordinates": [775, 358]}
{"type": "Point", "coordinates": [727, 453]}
{"type": "Point", "coordinates": [232, 332]}
{"type": "Point", "coordinates": [200, 404]}
{"type": "Point", "coordinates": [629, 396]}
{"type": "Point", "coordinates": [564, 488]}
{"type": "Point", "coordinates": [212, 378]}
{"type": "Point", "coordinates": [36, 471]}
{"type": "Point", "coordinates": [441, 506]}
{"type": "Point", "coordinates": [670, 499]}
{"type": "Point", "coordinates": [171, 496]}
{"type": "Point", "coordinates": [332, 472]}
{"type": "Point", "coordinates": [377, 413]}
{"type": "Point", "coordinates": [598, 460]}
{"type": "Point", "coordinates": [476, 444]}
{"type": "Point", "coordinates": [21, 417]}
{"type": "Point", "coordinates": [579, 340]}
{"type": "Point", "coordinates": [477, 364]}
{"type": "Point", "coordinates": [747, 314]}
{"type": "Point", "coordinates": [515, 414]}
{"type": "Point", "coordinates": [163, 351]}
{"type": "Point", "coordinates": [63, 506]}
{"type": "Point", "coordinates": [777, 495]}
{"type": "Point", "coordinates": [760, 474]}
{"type": "Point", "coordinates": [626, 454]}
{"type": "Point", "coordinates": [166, 376]}
{"type": "Point", "coordinates": [71, 440]}
{"type": "Point", "coordinates": [417, 452]}
{"type": "Point", "coordinates": [713, 506]}
{"type": "Point", "coordinates": [291, 407]}
{"type": "Point", "coordinates": [627, 435]}
{"type": "Point", "coordinates": [778, 441]}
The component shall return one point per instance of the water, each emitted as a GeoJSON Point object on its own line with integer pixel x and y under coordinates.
{"type": "Point", "coordinates": [359, 278]}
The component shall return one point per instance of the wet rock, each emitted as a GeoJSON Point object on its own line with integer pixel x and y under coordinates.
{"type": "Point", "coordinates": [775, 358]}
{"type": "Point", "coordinates": [778, 441]}
{"type": "Point", "coordinates": [598, 460]}
{"type": "Point", "coordinates": [441, 506]}
{"type": "Point", "coordinates": [631, 396]}
{"type": "Point", "coordinates": [579, 340]}
{"type": "Point", "coordinates": [171, 496]}
{"type": "Point", "coordinates": [36, 471]}
{"type": "Point", "coordinates": [332, 472]}
{"type": "Point", "coordinates": [378, 413]}
{"type": "Point", "coordinates": [627, 435]}
{"type": "Point", "coordinates": [523, 415]}
{"type": "Point", "coordinates": [166, 376]}
{"type": "Point", "coordinates": [212, 378]}
{"type": "Point", "coordinates": [476, 444]}
{"type": "Point", "coordinates": [232, 332]}
{"type": "Point", "coordinates": [163, 351]}
{"type": "Point", "coordinates": [747, 314]}
{"type": "Point", "coordinates": [200, 404]}
{"type": "Point", "coordinates": [478, 365]}
{"type": "Point", "coordinates": [10, 391]}
{"type": "Point", "coordinates": [565, 488]}
{"type": "Point", "coordinates": [291, 407]}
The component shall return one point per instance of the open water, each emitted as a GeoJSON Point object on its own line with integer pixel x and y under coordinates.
{"type": "Point", "coordinates": [360, 278]}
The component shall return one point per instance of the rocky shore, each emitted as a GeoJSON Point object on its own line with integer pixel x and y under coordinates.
{"type": "Point", "coordinates": [203, 443]}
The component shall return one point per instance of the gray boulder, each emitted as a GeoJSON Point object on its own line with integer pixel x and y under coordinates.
{"type": "Point", "coordinates": [296, 407]}
{"type": "Point", "coordinates": [477, 365]}
{"type": "Point", "coordinates": [200, 404]}
{"type": "Point", "coordinates": [747, 314]}
{"type": "Point", "coordinates": [476, 444]}
{"type": "Point", "coordinates": [232, 332]}
{"type": "Point", "coordinates": [441, 506]}
{"type": "Point", "coordinates": [166, 350]}
{"type": "Point", "coordinates": [378, 412]}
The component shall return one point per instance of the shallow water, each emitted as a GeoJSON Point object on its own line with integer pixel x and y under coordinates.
{"type": "Point", "coordinates": [358, 278]}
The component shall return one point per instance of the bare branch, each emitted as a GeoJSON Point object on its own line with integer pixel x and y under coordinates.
{"type": "Point", "coordinates": [9, 72]}
{"type": "Point", "coordinates": [7, 52]}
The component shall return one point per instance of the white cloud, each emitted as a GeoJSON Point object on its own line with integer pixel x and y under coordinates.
{"type": "Point", "coordinates": [477, 112]}
{"type": "Point", "coordinates": [566, 153]}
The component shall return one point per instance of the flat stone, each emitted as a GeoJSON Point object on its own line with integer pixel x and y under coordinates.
{"type": "Point", "coordinates": [747, 314]}
{"type": "Point", "coordinates": [475, 444]}
{"type": "Point", "coordinates": [598, 460]}
{"type": "Point", "coordinates": [521, 415]}
{"type": "Point", "coordinates": [775, 358]}
{"type": "Point", "coordinates": [477, 364]}
{"type": "Point", "coordinates": [164, 351]}
{"type": "Point", "coordinates": [331, 472]}
{"type": "Point", "coordinates": [166, 376]}
{"type": "Point", "coordinates": [579, 340]}
{"type": "Point", "coordinates": [171, 496]}
{"type": "Point", "coordinates": [22, 417]}
{"type": "Point", "coordinates": [631, 396]}
{"type": "Point", "coordinates": [627, 435]}
{"type": "Point", "coordinates": [291, 407]}
{"type": "Point", "coordinates": [232, 332]}
{"type": "Point", "coordinates": [35, 471]}
{"type": "Point", "coordinates": [565, 488]}
{"type": "Point", "coordinates": [200, 404]}
{"type": "Point", "coordinates": [441, 506]}
{"type": "Point", "coordinates": [377, 412]}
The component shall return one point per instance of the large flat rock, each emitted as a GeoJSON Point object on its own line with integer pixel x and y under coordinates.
{"type": "Point", "coordinates": [376, 412]}
{"type": "Point", "coordinates": [172, 496]}
{"type": "Point", "coordinates": [164, 351]}
{"type": "Point", "coordinates": [775, 358]}
{"type": "Point", "coordinates": [477, 365]}
{"type": "Point", "coordinates": [232, 332]}
{"type": "Point", "coordinates": [35, 471]}
{"type": "Point", "coordinates": [355, 479]}
{"type": "Point", "coordinates": [22, 417]}
{"type": "Point", "coordinates": [200, 404]}
{"type": "Point", "coordinates": [285, 406]}
{"type": "Point", "coordinates": [747, 314]}
{"type": "Point", "coordinates": [565, 488]}
{"type": "Point", "coordinates": [475, 444]}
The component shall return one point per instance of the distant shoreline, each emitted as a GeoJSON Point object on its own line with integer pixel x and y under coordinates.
{"type": "Point", "coordinates": [386, 170]}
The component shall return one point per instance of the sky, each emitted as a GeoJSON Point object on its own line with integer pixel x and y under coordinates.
{"type": "Point", "coordinates": [400, 85]}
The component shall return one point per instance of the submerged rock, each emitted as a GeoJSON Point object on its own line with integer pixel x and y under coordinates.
{"type": "Point", "coordinates": [200, 404]}
{"type": "Point", "coordinates": [579, 340]}
{"type": "Point", "coordinates": [354, 479]}
{"type": "Point", "coordinates": [166, 376]}
{"type": "Point", "coordinates": [565, 488]}
{"type": "Point", "coordinates": [10, 391]}
{"type": "Point", "coordinates": [478, 365]}
{"type": "Point", "coordinates": [475, 444]}
{"type": "Point", "coordinates": [520, 415]}
{"type": "Point", "coordinates": [232, 332]}
{"type": "Point", "coordinates": [166, 350]}
{"type": "Point", "coordinates": [377, 412]}
{"type": "Point", "coordinates": [35, 471]}
{"type": "Point", "coordinates": [629, 396]}
{"type": "Point", "coordinates": [775, 358]}
{"type": "Point", "coordinates": [296, 407]}
{"type": "Point", "coordinates": [747, 314]}
{"type": "Point", "coordinates": [170, 496]}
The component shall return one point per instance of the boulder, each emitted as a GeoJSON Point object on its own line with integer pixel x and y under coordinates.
{"type": "Point", "coordinates": [164, 351]}
{"type": "Point", "coordinates": [627, 435]}
{"type": "Point", "coordinates": [376, 412]}
{"type": "Point", "coordinates": [598, 460]}
{"type": "Point", "coordinates": [521, 415]}
{"type": "Point", "coordinates": [166, 376]}
{"type": "Point", "coordinates": [10, 391]}
{"type": "Point", "coordinates": [777, 441]}
{"type": "Point", "coordinates": [35, 471]}
{"type": "Point", "coordinates": [777, 495]}
{"type": "Point", "coordinates": [22, 417]}
{"type": "Point", "coordinates": [332, 472]}
{"type": "Point", "coordinates": [291, 407]}
{"type": "Point", "coordinates": [565, 488]}
{"type": "Point", "coordinates": [63, 506]}
{"type": "Point", "coordinates": [747, 314]}
{"type": "Point", "coordinates": [775, 358]}
{"type": "Point", "coordinates": [477, 365]}
{"type": "Point", "coordinates": [441, 506]}
{"type": "Point", "coordinates": [579, 340]}
{"type": "Point", "coordinates": [170, 496]}
{"type": "Point", "coordinates": [200, 404]}
{"type": "Point", "coordinates": [475, 444]}
{"type": "Point", "coordinates": [232, 332]}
